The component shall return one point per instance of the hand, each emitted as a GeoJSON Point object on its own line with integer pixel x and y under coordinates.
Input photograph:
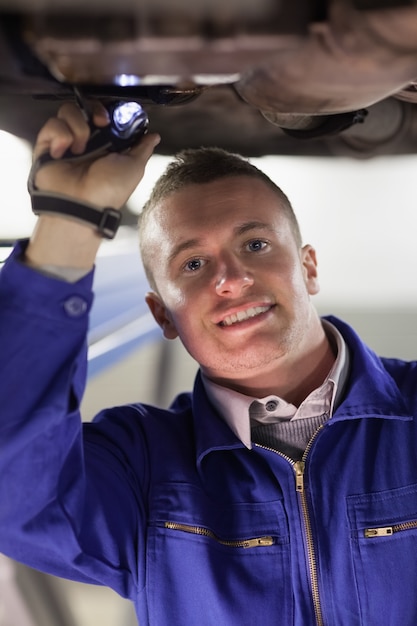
{"type": "Point", "coordinates": [105, 181]}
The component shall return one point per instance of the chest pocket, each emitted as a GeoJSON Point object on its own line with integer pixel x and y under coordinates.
{"type": "Point", "coordinates": [216, 563]}
{"type": "Point", "coordinates": [384, 552]}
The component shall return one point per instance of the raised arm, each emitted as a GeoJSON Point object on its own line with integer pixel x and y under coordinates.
{"type": "Point", "coordinates": [63, 493]}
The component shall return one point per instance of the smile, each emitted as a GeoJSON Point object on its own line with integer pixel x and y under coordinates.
{"type": "Point", "coordinates": [241, 316]}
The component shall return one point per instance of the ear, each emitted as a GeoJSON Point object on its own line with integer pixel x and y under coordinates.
{"type": "Point", "coordinates": [161, 315]}
{"type": "Point", "coordinates": [309, 261]}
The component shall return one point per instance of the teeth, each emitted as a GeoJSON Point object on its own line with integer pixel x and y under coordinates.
{"type": "Point", "coordinates": [244, 315]}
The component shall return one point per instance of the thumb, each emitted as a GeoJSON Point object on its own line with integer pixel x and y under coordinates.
{"type": "Point", "coordinates": [143, 150]}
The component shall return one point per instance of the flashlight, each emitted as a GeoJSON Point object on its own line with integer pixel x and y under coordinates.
{"type": "Point", "coordinates": [128, 118]}
{"type": "Point", "coordinates": [128, 122]}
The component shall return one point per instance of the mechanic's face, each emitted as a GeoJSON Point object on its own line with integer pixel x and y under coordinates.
{"type": "Point", "coordinates": [232, 282]}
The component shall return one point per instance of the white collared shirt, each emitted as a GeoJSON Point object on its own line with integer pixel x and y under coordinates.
{"type": "Point", "coordinates": [234, 407]}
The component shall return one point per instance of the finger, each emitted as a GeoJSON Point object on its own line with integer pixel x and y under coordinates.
{"type": "Point", "coordinates": [143, 150]}
{"type": "Point", "coordinates": [55, 137]}
{"type": "Point", "coordinates": [72, 115]}
{"type": "Point", "coordinates": [100, 114]}
{"type": "Point", "coordinates": [122, 172]}
{"type": "Point", "coordinates": [133, 162]}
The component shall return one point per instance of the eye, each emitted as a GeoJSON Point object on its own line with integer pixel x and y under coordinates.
{"type": "Point", "coordinates": [193, 265]}
{"type": "Point", "coordinates": [256, 245]}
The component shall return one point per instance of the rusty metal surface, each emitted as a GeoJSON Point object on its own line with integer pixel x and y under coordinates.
{"type": "Point", "coordinates": [212, 74]}
{"type": "Point", "coordinates": [177, 42]}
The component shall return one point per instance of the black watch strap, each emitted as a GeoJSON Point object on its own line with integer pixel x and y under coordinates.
{"type": "Point", "coordinates": [105, 221]}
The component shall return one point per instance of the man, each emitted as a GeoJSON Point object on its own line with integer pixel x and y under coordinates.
{"type": "Point", "coordinates": [283, 490]}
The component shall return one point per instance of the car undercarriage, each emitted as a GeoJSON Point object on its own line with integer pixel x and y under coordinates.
{"type": "Point", "coordinates": [305, 78]}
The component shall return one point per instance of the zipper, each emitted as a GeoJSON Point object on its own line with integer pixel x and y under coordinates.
{"type": "Point", "coordinates": [254, 542]}
{"type": "Point", "coordinates": [299, 469]}
{"type": "Point", "coordinates": [386, 531]}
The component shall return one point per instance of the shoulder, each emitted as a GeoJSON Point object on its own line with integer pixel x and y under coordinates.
{"type": "Point", "coordinates": [128, 425]}
{"type": "Point", "coordinates": [149, 441]}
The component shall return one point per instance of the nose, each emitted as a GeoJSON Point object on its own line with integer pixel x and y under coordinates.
{"type": "Point", "coordinates": [232, 277]}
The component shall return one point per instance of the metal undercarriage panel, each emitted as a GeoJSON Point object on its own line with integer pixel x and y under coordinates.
{"type": "Point", "coordinates": [236, 74]}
